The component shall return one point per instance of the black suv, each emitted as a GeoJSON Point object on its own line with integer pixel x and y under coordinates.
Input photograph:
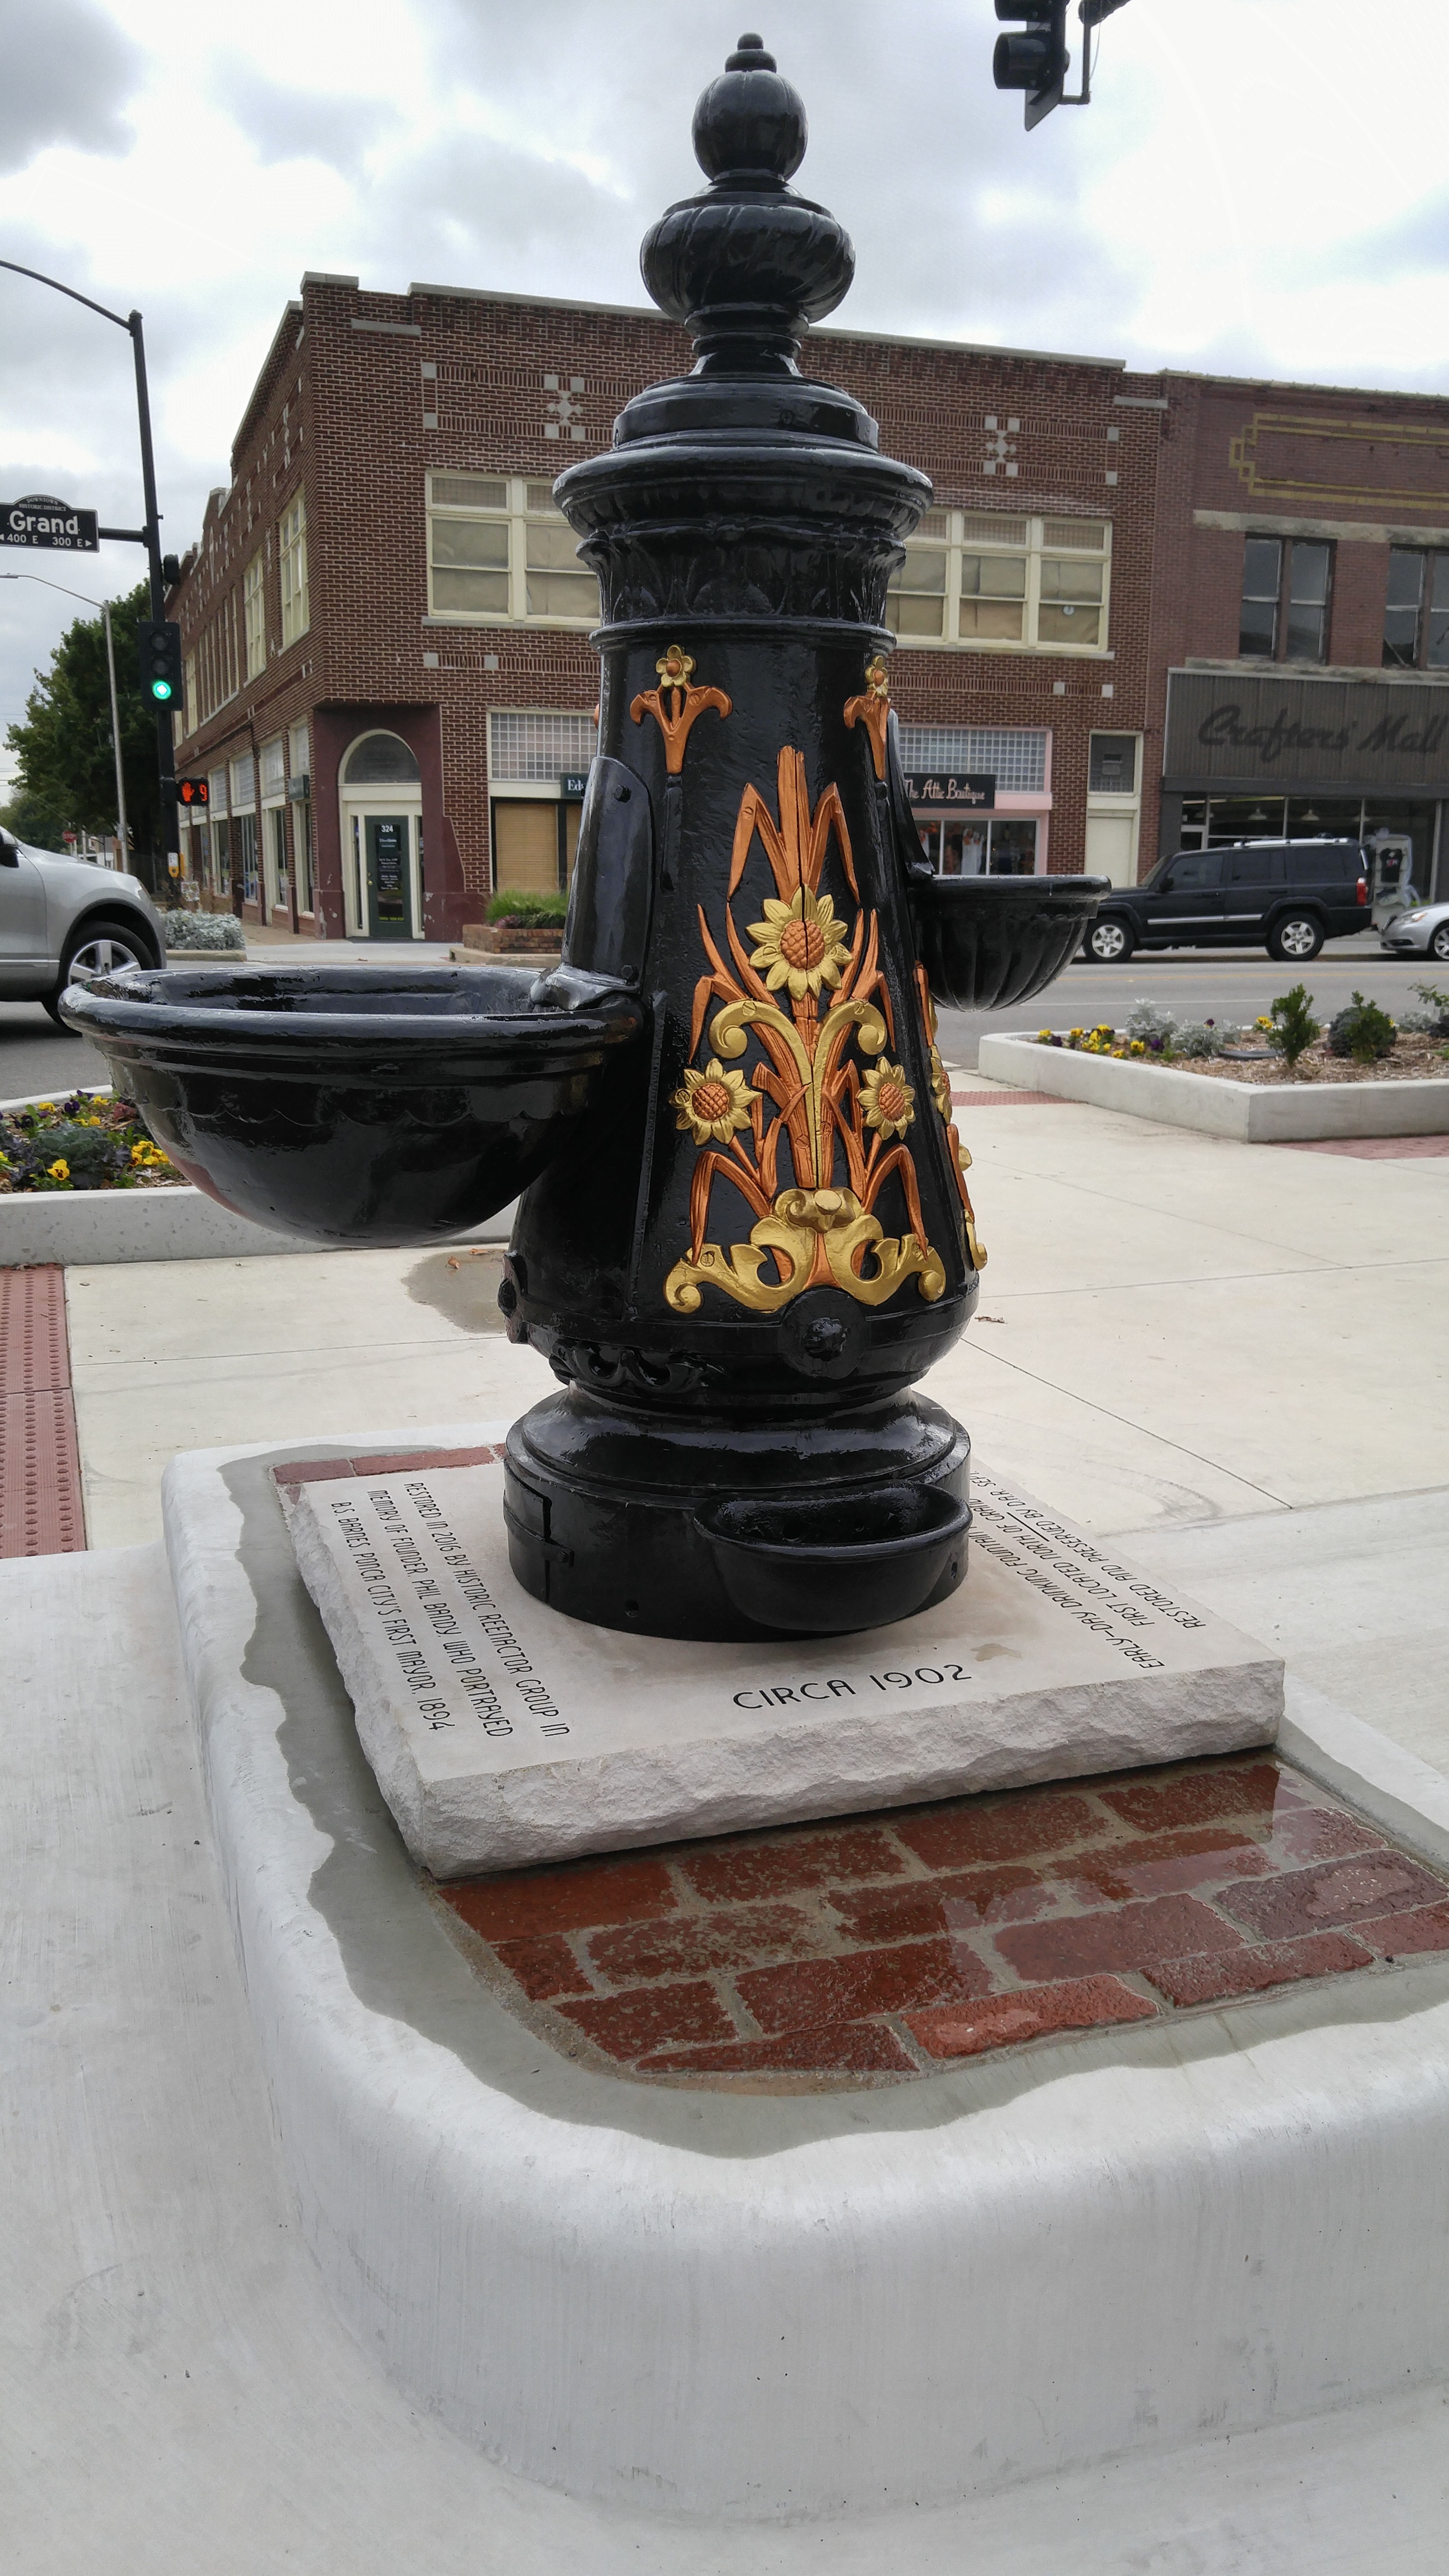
{"type": "Point", "coordinates": [1290, 894]}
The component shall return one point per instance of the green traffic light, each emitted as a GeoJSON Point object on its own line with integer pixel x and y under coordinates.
{"type": "Point", "coordinates": [161, 689]}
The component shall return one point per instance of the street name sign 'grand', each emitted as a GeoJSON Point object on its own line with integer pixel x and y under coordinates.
{"type": "Point", "coordinates": [41, 520]}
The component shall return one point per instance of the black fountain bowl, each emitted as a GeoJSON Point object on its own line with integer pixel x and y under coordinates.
{"type": "Point", "coordinates": [825, 1567]}
{"type": "Point", "coordinates": [358, 1104]}
{"type": "Point", "coordinates": [986, 942]}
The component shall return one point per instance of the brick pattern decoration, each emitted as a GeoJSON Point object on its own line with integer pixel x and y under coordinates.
{"type": "Point", "coordinates": [41, 1512]}
{"type": "Point", "coordinates": [877, 1949]}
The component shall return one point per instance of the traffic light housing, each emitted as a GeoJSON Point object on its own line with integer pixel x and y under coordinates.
{"type": "Point", "coordinates": [192, 792]}
{"type": "Point", "coordinates": [1036, 61]}
{"type": "Point", "coordinates": [159, 644]}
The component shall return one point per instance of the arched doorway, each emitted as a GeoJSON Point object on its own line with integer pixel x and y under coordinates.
{"type": "Point", "coordinates": [381, 792]}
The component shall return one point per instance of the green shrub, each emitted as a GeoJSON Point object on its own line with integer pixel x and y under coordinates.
{"type": "Point", "coordinates": [1294, 1026]}
{"type": "Point", "coordinates": [202, 930]}
{"type": "Point", "coordinates": [1362, 1031]}
{"type": "Point", "coordinates": [523, 911]}
{"type": "Point", "coordinates": [1435, 1017]}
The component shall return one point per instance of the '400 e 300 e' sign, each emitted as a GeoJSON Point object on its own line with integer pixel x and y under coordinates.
{"type": "Point", "coordinates": [41, 520]}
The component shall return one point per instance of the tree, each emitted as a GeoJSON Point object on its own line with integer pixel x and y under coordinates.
{"type": "Point", "coordinates": [67, 774]}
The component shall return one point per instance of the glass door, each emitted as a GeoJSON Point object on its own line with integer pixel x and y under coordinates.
{"type": "Point", "coordinates": [388, 875]}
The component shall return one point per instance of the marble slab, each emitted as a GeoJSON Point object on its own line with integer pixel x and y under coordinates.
{"type": "Point", "coordinates": [503, 1733]}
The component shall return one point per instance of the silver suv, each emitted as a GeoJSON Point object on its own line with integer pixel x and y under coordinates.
{"type": "Point", "coordinates": [59, 916]}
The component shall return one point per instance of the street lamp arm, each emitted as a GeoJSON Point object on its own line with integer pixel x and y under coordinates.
{"type": "Point", "coordinates": [120, 319]}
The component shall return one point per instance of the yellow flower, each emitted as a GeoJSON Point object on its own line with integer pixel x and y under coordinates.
{"type": "Point", "coordinates": [1044, 1037]}
{"type": "Point", "coordinates": [800, 943]}
{"type": "Point", "coordinates": [57, 1171]}
{"type": "Point", "coordinates": [889, 1099]}
{"type": "Point", "coordinates": [1137, 1047]}
{"type": "Point", "coordinates": [713, 1104]}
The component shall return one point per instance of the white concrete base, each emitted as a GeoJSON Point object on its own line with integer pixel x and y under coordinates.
{"type": "Point", "coordinates": [176, 2389]}
{"type": "Point", "coordinates": [1255, 1115]}
{"type": "Point", "coordinates": [502, 1732]}
{"type": "Point", "coordinates": [86, 1226]}
{"type": "Point", "coordinates": [757, 2307]}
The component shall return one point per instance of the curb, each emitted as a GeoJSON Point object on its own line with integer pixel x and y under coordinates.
{"type": "Point", "coordinates": [1252, 1116]}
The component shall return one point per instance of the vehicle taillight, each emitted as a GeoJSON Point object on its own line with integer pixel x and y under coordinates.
{"type": "Point", "coordinates": [1363, 889]}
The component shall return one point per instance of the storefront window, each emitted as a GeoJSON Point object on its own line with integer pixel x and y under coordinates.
{"type": "Point", "coordinates": [244, 849]}
{"type": "Point", "coordinates": [973, 847]}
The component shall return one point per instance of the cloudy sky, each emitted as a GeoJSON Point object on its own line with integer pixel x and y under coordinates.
{"type": "Point", "coordinates": [1259, 186]}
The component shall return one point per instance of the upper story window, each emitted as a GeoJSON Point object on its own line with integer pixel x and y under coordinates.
{"type": "Point", "coordinates": [1416, 615]}
{"type": "Point", "coordinates": [1286, 587]}
{"type": "Point", "coordinates": [254, 617]}
{"type": "Point", "coordinates": [292, 569]}
{"type": "Point", "coordinates": [498, 549]}
{"type": "Point", "coordinates": [975, 579]}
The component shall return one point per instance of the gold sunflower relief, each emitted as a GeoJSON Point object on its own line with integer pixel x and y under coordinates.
{"type": "Point", "coordinates": [888, 1099]}
{"type": "Point", "coordinates": [714, 1104]}
{"type": "Point", "coordinates": [800, 943]}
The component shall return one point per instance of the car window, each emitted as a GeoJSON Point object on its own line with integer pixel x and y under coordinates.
{"type": "Point", "coordinates": [1310, 862]}
{"type": "Point", "coordinates": [1254, 867]}
{"type": "Point", "coordinates": [1192, 871]}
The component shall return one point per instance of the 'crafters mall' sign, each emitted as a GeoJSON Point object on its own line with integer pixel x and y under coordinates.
{"type": "Point", "coordinates": [1226, 731]}
{"type": "Point", "coordinates": [41, 520]}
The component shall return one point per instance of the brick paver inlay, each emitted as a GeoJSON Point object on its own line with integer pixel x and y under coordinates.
{"type": "Point", "coordinates": [876, 1949]}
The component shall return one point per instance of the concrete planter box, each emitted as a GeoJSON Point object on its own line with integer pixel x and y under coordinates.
{"type": "Point", "coordinates": [495, 939]}
{"type": "Point", "coordinates": [85, 1227]}
{"type": "Point", "coordinates": [174, 1224]}
{"type": "Point", "coordinates": [1255, 1116]}
{"type": "Point", "coordinates": [207, 957]}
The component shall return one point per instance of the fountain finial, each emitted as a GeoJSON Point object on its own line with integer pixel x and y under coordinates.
{"type": "Point", "coordinates": [747, 265]}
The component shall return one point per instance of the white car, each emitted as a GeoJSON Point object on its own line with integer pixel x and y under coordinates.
{"type": "Point", "coordinates": [60, 917]}
{"type": "Point", "coordinates": [1424, 932]}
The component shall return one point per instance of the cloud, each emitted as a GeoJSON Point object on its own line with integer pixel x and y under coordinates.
{"type": "Point", "coordinates": [68, 73]}
{"type": "Point", "coordinates": [287, 124]}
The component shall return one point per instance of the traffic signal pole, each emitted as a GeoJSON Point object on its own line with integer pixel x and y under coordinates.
{"type": "Point", "coordinates": [148, 536]}
{"type": "Point", "coordinates": [165, 740]}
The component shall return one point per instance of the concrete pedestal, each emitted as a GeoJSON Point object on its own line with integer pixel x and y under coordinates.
{"type": "Point", "coordinates": [755, 2306]}
{"type": "Point", "coordinates": [502, 1732]}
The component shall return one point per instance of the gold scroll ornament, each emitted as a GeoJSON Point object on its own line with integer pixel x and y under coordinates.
{"type": "Point", "coordinates": [941, 1097]}
{"type": "Point", "coordinates": [809, 987]}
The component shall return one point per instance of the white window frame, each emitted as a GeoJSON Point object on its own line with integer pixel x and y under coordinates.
{"type": "Point", "coordinates": [1033, 550]}
{"type": "Point", "coordinates": [292, 569]}
{"type": "Point", "coordinates": [254, 615]}
{"type": "Point", "coordinates": [518, 517]}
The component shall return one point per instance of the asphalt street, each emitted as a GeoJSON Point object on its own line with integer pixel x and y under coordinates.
{"type": "Point", "coordinates": [38, 1059]}
{"type": "Point", "coordinates": [1199, 984]}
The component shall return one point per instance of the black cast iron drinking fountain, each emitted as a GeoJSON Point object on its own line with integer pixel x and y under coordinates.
{"type": "Point", "coordinates": [746, 1228]}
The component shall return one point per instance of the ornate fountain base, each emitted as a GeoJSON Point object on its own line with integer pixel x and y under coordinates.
{"type": "Point", "coordinates": [701, 1528]}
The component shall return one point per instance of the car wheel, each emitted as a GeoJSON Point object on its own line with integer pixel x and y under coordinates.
{"type": "Point", "coordinates": [1109, 943]}
{"type": "Point", "coordinates": [1439, 944]}
{"type": "Point", "coordinates": [1295, 940]}
{"type": "Point", "coordinates": [99, 948]}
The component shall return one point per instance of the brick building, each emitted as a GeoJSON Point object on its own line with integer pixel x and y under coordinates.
{"type": "Point", "coordinates": [1300, 616]}
{"type": "Point", "coordinates": [390, 687]}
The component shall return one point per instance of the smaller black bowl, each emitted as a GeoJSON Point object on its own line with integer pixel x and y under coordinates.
{"type": "Point", "coordinates": [358, 1104]}
{"type": "Point", "coordinates": [823, 1566]}
{"type": "Point", "coordinates": [986, 942]}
